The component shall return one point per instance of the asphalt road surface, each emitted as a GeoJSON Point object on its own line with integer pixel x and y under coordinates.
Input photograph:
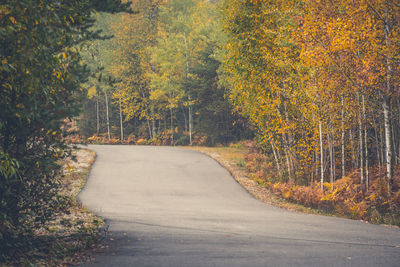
{"type": "Point", "coordinates": [169, 206]}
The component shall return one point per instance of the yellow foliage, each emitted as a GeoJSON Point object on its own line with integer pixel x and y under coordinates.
{"type": "Point", "coordinates": [92, 92]}
{"type": "Point", "coordinates": [287, 194]}
{"type": "Point", "coordinates": [12, 19]}
{"type": "Point", "coordinates": [371, 197]}
{"type": "Point", "coordinates": [327, 185]}
{"type": "Point", "coordinates": [141, 141]}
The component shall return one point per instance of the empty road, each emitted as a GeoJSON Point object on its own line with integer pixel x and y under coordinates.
{"type": "Point", "coordinates": [169, 206]}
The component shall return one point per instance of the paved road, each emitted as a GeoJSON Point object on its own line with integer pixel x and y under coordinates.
{"type": "Point", "coordinates": [175, 207]}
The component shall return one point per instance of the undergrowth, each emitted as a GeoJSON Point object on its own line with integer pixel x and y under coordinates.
{"type": "Point", "coordinates": [345, 197]}
{"type": "Point", "coordinates": [73, 229]}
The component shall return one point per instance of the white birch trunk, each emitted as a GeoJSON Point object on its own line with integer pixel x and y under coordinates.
{"type": "Point", "coordinates": [187, 77]}
{"type": "Point", "coordinates": [361, 150]}
{"type": "Point", "coordinates": [387, 110]}
{"type": "Point", "coordinates": [342, 141]}
{"type": "Point", "coordinates": [172, 128]}
{"type": "Point", "coordinates": [388, 142]}
{"type": "Point", "coordinates": [378, 153]}
{"type": "Point", "coordinates": [120, 120]}
{"type": "Point", "coordinates": [332, 163]}
{"type": "Point", "coordinates": [190, 124]}
{"type": "Point", "coordinates": [321, 154]}
{"type": "Point", "coordinates": [108, 118]}
{"type": "Point", "coordinates": [97, 114]}
{"type": "Point", "coordinates": [276, 158]}
{"type": "Point", "coordinates": [353, 157]}
{"type": "Point", "coordinates": [366, 145]}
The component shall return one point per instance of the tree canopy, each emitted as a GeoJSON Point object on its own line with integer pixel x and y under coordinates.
{"type": "Point", "coordinates": [41, 75]}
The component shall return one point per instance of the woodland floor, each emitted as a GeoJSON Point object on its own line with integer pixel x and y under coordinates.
{"type": "Point", "coordinates": [75, 231]}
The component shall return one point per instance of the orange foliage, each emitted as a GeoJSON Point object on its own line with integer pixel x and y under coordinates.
{"type": "Point", "coordinates": [346, 197]}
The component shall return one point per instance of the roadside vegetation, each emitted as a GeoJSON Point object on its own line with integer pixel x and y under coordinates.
{"type": "Point", "coordinates": [72, 230]}
{"type": "Point", "coordinates": [255, 172]}
{"type": "Point", "coordinates": [41, 73]}
{"type": "Point", "coordinates": [315, 84]}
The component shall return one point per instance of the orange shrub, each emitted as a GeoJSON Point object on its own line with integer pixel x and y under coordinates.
{"type": "Point", "coordinates": [141, 141]}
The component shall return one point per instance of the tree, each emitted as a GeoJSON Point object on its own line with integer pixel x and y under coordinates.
{"type": "Point", "coordinates": [134, 34]}
{"type": "Point", "coordinates": [308, 74]}
{"type": "Point", "coordinates": [165, 64]}
{"type": "Point", "coordinates": [41, 75]}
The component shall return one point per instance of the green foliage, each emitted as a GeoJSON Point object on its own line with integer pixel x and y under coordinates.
{"type": "Point", "coordinates": [41, 74]}
{"type": "Point", "coordinates": [164, 62]}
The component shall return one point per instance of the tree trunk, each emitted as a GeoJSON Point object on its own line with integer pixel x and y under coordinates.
{"type": "Point", "coordinates": [353, 157]}
{"type": "Point", "coordinates": [97, 114]}
{"type": "Point", "coordinates": [120, 120]}
{"type": "Point", "coordinates": [149, 128]}
{"type": "Point", "coordinates": [331, 158]}
{"type": "Point", "coordinates": [153, 128]}
{"type": "Point", "coordinates": [108, 118]}
{"type": "Point", "coordinates": [387, 109]}
{"type": "Point", "coordinates": [334, 159]}
{"type": "Point", "coordinates": [152, 125]}
{"type": "Point", "coordinates": [342, 141]}
{"type": "Point", "coordinates": [366, 145]}
{"type": "Point", "coordinates": [316, 161]}
{"type": "Point", "coordinates": [190, 124]}
{"type": "Point", "coordinates": [398, 107]}
{"type": "Point", "coordinates": [382, 146]}
{"type": "Point", "coordinates": [388, 142]}
{"type": "Point", "coordinates": [288, 163]}
{"type": "Point", "coordinates": [394, 153]}
{"type": "Point", "coordinates": [276, 158]}
{"type": "Point", "coordinates": [187, 78]}
{"type": "Point", "coordinates": [378, 152]}
{"type": "Point", "coordinates": [290, 143]}
{"type": "Point", "coordinates": [172, 127]}
{"type": "Point", "coordinates": [361, 150]}
{"type": "Point", "coordinates": [186, 121]}
{"type": "Point", "coordinates": [321, 154]}
{"type": "Point", "coordinates": [312, 176]}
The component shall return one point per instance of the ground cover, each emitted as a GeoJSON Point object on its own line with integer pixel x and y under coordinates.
{"type": "Point", "coordinates": [64, 240]}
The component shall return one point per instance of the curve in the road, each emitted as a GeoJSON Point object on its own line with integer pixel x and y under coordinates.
{"type": "Point", "coordinates": [169, 206]}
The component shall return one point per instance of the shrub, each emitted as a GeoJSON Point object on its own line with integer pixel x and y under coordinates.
{"type": "Point", "coordinates": [141, 141]}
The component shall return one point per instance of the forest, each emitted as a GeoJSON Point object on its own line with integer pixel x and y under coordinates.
{"type": "Point", "coordinates": [319, 81]}
{"type": "Point", "coordinates": [156, 80]}
{"type": "Point", "coordinates": [314, 83]}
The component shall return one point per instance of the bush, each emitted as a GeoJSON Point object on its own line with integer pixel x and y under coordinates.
{"type": "Point", "coordinates": [141, 141]}
{"type": "Point", "coordinates": [346, 196]}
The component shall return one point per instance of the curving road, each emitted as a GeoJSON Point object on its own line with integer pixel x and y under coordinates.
{"type": "Point", "coordinates": [174, 207]}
